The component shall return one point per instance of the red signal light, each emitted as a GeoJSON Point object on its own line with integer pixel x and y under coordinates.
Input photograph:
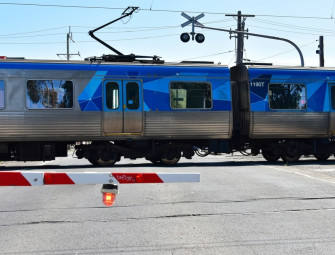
{"type": "Point", "coordinates": [108, 198]}
{"type": "Point", "coordinates": [109, 192]}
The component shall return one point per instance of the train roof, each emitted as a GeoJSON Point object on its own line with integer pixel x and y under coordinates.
{"type": "Point", "coordinates": [87, 62]}
{"type": "Point", "coordinates": [310, 68]}
{"type": "Point", "coordinates": [196, 64]}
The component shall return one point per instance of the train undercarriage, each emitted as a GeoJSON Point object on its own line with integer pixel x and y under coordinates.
{"type": "Point", "coordinates": [166, 152]}
{"type": "Point", "coordinates": [105, 153]}
{"type": "Point", "coordinates": [32, 151]}
{"type": "Point", "coordinates": [291, 150]}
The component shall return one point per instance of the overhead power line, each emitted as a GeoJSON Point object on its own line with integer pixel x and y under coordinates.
{"type": "Point", "coordinates": [36, 31]}
{"type": "Point", "coordinates": [282, 53]}
{"type": "Point", "coordinates": [156, 10]}
{"type": "Point", "coordinates": [29, 36]}
{"type": "Point", "coordinates": [64, 6]}
{"type": "Point", "coordinates": [211, 55]}
{"type": "Point", "coordinates": [115, 30]}
{"type": "Point", "coordinates": [292, 26]}
{"type": "Point", "coordinates": [296, 32]}
{"type": "Point", "coordinates": [116, 40]}
{"type": "Point", "coordinates": [135, 30]}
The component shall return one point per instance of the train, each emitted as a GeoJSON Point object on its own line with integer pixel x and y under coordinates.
{"type": "Point", "coordinates": [163, 111]}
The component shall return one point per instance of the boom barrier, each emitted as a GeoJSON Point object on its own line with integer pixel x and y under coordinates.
{"type": "Point", "coordinates": [109, 180]}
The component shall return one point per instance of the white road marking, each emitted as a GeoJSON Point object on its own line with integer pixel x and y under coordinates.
{"type": "Point", "coordinates": [306, 173]}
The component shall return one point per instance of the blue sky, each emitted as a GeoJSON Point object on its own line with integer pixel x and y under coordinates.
{"type": "Point", "coordinates": [40, 32]}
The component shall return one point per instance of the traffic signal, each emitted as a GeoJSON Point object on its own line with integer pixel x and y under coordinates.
{"type": "Point", "coordinates": [185, 37]}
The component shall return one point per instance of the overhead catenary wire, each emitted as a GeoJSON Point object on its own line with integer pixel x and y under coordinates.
{"type": "Point", "coordinates": [112, 30]}
{"type": "Point", "coordinates": [9, 36]}
{"type": "Point", "coordinates": [144, 29]}
{"type": "Point", "coordinates": [284, 52]}
{"type": "Point", "coordinates": [273, 23]}
{"type": "Point", "coordinates": [36, 31]}
{"type": "Point", "coordinates": [157, 10]}
{"type": "Point", "coordinates": [124, 39]}
{"type": "Point", "coordinates": [211, 55]}
{"type": "Point", "coordinates": [29, 36]}
{"type": "Point", "coordinates": [123, 30]}
{"type": "Point", "coordinates": [136, 30]}
{"type": "Point", "coordinates": [295, 32]}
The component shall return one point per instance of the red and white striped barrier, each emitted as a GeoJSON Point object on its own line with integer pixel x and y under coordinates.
{"type": "Point", "coordinates": [109, 180]}
{"type": "Point", "coordinates": [72, 178]}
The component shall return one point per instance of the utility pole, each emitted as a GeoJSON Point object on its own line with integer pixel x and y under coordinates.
{"type": "Point", "coordinates": [68, 54]}
{"type": "Point", "coordinates": [321, 52]}
{"type": "Point", "coordinates": [240, 36]}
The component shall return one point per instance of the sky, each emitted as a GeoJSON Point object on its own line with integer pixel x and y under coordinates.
{"type": "Point", "coordinates": [33, 30]}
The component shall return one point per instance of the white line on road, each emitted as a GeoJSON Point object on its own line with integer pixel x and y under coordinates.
{"type": "Point", "coordinates": [306, 173]}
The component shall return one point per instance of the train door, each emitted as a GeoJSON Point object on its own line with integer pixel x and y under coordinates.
{"type": "Point", "coordinates": [122, 107]}
{"type": "Point", "coordinates": [332, 108]}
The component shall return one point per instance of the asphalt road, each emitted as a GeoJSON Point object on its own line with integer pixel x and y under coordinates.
{"type": "Point", "coordinates": [243, 205]}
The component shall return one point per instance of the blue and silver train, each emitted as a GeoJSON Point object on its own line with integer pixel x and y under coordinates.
{"type": "Point", "coordinates": [162, 111]}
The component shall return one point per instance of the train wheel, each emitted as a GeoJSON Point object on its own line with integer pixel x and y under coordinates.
{"type": "Point", "coordinates": [321, 156]}
{"type": "Point", "coordinates": [292, 152]}
{"type": "Point", "coordinates": [100, 162]}
{"type": "Point", "coordinates": [169, 162]}
{"type": "Point", "coordinates": [287, 158]}
{"type": "Point", "coordinates": [105, 159]}
{"type": "Point", "coordinates": [170, 157]}
{"type": "Point", "coordinates": [271, 155]}
{"type": "Point", "coordinates": [106, 163]}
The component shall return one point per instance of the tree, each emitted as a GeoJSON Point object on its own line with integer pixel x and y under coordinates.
{"type": "Point", "coordinates": [51, 93]}
{"type": "Point", "coordinates": [286, 96]}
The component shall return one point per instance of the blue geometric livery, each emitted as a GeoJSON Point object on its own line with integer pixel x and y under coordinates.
{"type": "Point", "coordinates": [162, 112]}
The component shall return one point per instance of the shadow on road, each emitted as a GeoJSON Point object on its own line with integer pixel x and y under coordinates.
{"type": "Point", "coordinates": [207, 164]}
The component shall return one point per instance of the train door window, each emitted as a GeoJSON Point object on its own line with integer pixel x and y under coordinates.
{"type": "Point", "coordinates": [287, 96]}
{"type": "Point", "coordinates": [112, 95]}
{"type": "Point", "coordinates": [190, 95]}
{"type": "Point", "coordinates": [49, 94]}
{"type": "Point", "coordinates": [333, 96]}
{"type": "Point", "coordinates": [2, 94]}
{"type": "Point", "coordinates": [132, 96]}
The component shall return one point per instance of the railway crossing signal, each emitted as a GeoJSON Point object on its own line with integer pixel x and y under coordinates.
{"type": "Point", "coordinates": [109, 180]}
{"type": "Point", "coordinates": [185, 37]}
{"type": "Point", "coordinates": [240, 34]}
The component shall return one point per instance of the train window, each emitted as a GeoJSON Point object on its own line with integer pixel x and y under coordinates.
{"type": "Point", "coordinates": [190, 95]}
{"type": "Point", "coordinates": [112, 95]}
{"type": "Point", "coordinates": [2, 94]}
{"type": "Point", "coordinates": [133, 96]}
{"type": "Point", "coordinates": [333, 96]}
{"type": "Point", "coordinates": [287, 96]}
{"type": "Point", "coordinates": [49, 94]}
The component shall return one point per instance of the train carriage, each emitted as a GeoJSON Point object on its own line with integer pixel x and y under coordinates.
{"type": "Point", "coordinates": [163, 111]}
{"type": "Point", "coordinates": [157, 111]}
{"type": "Point", "coordinates": [292, 112]}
